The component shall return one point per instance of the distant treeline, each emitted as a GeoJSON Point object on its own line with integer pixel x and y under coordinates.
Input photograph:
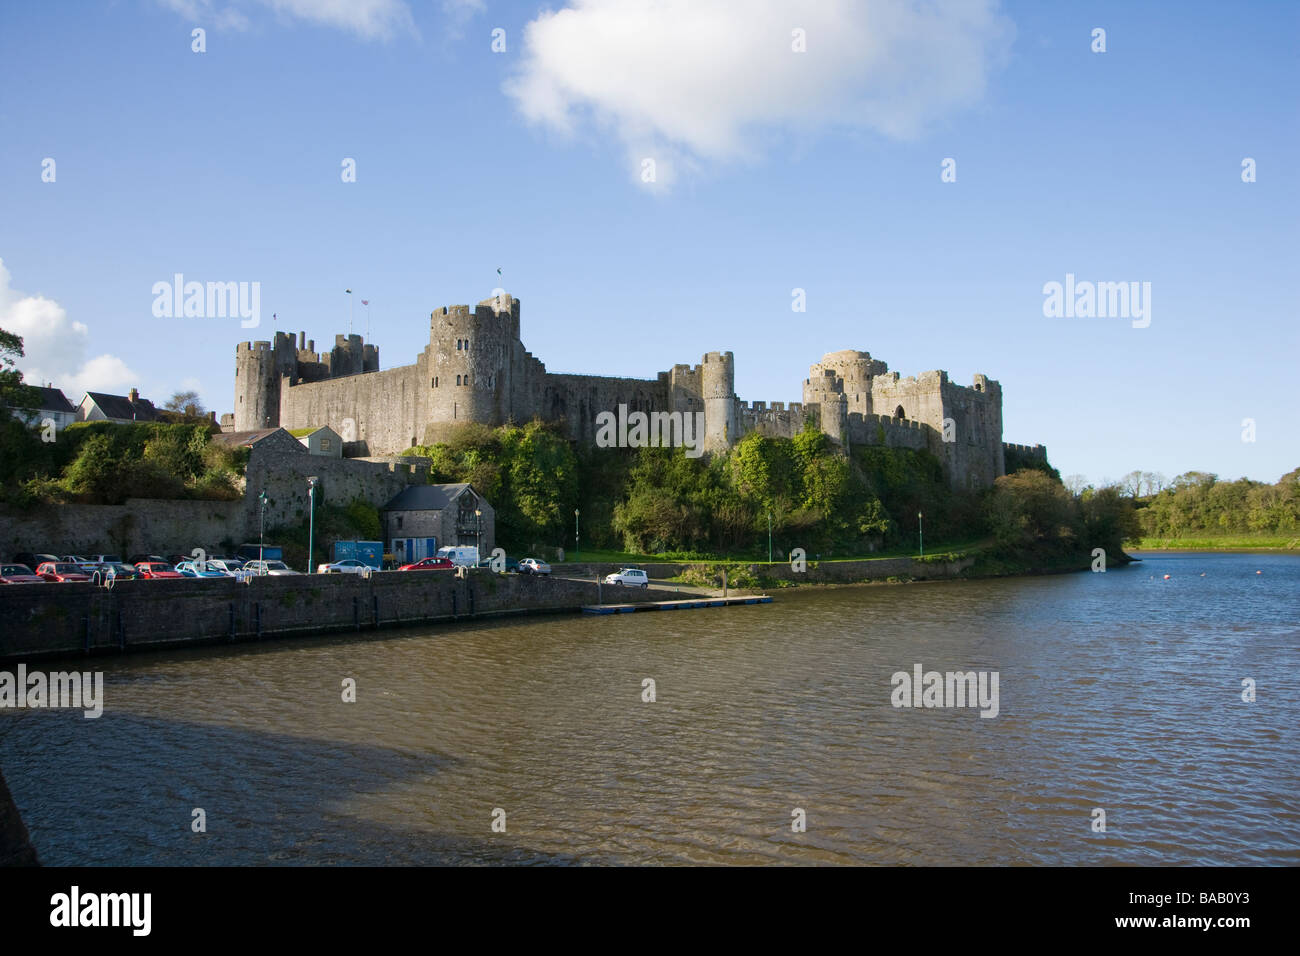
{"type": "Point", "coordinates": [1198, 504]}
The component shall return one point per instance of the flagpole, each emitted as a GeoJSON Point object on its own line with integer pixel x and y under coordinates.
{"type": "Point", "coordinates": [349, 292]}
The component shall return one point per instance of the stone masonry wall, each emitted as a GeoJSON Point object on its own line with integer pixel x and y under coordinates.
{"type": "Point", "coordinates": [139, 525]}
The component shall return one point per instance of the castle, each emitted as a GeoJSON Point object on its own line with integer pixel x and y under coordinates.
{"type": "Point", "coordinates": [476, 369]}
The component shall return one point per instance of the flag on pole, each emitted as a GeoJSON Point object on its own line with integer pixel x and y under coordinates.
{"type": "Point", "coordinates": [498, 270]}
{"type": "Point", "coordinates": [365, 301]}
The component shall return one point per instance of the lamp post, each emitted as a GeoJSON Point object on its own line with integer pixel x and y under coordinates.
{"type": "Point", "coordinates": [261, 529]}
{"type": "Point", "coordinates": [920, 532]}
{"type": "Point", "coordinates": [478, 532]}
{"type": "Point", "coordinates": [311, 518]}
{"type": "Point", "coordinates": [576, 539]}
{"type": "Point", "coordinates": [769, 535]}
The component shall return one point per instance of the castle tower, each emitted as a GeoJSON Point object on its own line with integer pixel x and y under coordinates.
{"type": "Point", "coordinates": [259, 367]}
{"type": "Point", "coordinates": [718, 386]}
{"type": "Point", "coordinates": [469, 363]}
{"type": "Point", "coordinates": [835, 418]}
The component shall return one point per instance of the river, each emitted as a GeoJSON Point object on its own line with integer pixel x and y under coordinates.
{"type": "Point", "coordinates": [1118, 691]}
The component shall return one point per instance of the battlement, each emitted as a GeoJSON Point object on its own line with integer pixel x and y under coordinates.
{"type": "Point", "coordinates": [1036, 451]}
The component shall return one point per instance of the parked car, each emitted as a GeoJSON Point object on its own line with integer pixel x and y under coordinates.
{"type": "Point", "coordinates": [137, 559]}
{"type": "Point", "coordinates": [273, 568]}
{"type": "Point", "coordinates": [62, 572]}
{"type": "Point", "coordinates": [631, 577]}
{"type": "Point", "coordinates": [511, 565]}
{"type": "Point", "coordinates": [113, 570]}
{"type": "Point", "coordinates": [346, 566]}
{"type": "Point", "coordinates": [229, 565]}
{"type": "Point", "coordinates": [18, 574]}
{"type": "Point", "coordinates": [75, 559]}
{"type": "Point", "coordinates": [429, 564]}
{"type": "Point", "coordinates": [175, 559]}
{"type": "Point", "coordinates": [104, 559]}
{"type": "Point", "coordinates": [190, 569]}
{"type": "Point", "coordinates": [534, 566]}
{"type": "Point", "coordinates": [34, 560]}
{"type": "Point", "coordinates": [157, 569]}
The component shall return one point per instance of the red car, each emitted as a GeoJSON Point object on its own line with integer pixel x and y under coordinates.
{"type": "Point", "coordinates": [157, 569]}
{"type": "Point", "coordinates": [61, 572]}
{"type": "Point", "coordinates": [18, 574]}
{"type": "Point", "coordinates": [429, 564]}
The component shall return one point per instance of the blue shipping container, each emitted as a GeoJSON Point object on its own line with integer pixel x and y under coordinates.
{"type": "Point", "coordinates": [367, 552]}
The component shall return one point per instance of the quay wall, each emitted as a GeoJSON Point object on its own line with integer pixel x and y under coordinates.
{"type": "Point", "coordinates": [73, 619]}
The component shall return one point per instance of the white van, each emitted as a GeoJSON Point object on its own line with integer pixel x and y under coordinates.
{"type": "Point", "coordinates": [461, 555]}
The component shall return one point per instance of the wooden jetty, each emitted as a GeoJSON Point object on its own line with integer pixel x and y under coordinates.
{"type": "Point", "coordinates": [684, 605]}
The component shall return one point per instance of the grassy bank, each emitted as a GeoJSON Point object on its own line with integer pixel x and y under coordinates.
{"type": "Point", "coordinates": [1226, 542]}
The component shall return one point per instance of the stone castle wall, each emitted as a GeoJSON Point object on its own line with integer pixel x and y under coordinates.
{"type": "Point", "coordinates": [475, 369]}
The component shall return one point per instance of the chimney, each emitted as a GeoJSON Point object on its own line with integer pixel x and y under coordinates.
{"type": "Point", "coordinates": [134, 396]}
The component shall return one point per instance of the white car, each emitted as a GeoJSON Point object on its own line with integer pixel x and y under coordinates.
{"type": "Point", "coordinates": [534, 566]}
{"type": "Point", "coordinates": [346, 566]}
{"type": "Point", "coordinates": [272, 568]}
{"type": "Point", "coordinates": [632, 577]}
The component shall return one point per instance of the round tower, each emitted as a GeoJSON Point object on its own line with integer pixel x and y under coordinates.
{"type": "Point", "coordinates": [258, 368]}
{"type": "Point", "coordinates": [469, 363]}
{"type": "Point", "coordinates": [718, 387]}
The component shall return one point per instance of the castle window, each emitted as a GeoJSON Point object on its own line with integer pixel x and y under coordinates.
{"type": "Point", "coordinates": [466, 379]}
{"type": "Point", "coordinates": [458, 345]}
{"type": "Point", "coordinates": [898, 412]}
{"type": "Point", "coordinates": [435, 381]}
{"type": "Point", "coordinates": [457, 379]}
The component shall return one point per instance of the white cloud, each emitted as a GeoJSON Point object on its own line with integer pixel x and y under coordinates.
{"type": "Point", "coordinates": [55, 346]}
{"type": "Point", "coordinates": [368, 19]}
{"type": "Point", "coordinates": [689, 81]}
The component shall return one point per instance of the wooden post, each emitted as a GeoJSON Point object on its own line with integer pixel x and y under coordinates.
{"type": "Point", "coordinates": [724, 582]}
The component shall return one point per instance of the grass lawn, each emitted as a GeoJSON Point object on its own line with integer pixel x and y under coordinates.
{"type": "Point", "coordinates": [1225, 542]}
{"type": "Point", "coordinates": [623, 557]}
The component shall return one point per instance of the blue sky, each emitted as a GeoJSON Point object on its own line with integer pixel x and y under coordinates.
{"type": "Point", "coordinates": [776, 170]}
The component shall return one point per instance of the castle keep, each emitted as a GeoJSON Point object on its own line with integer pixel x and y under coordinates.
{"type": "Point", "coordinates": [476, 369]}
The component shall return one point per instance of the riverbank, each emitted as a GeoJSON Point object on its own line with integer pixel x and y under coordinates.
{"type": "Point", "coordinates": [1232, 542]}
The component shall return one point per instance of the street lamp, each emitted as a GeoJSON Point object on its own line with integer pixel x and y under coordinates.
{"type": "Point", "coordinates": [769, 535]}
{"type": "Point", "coordinates": [261, 530]}
{"type": "Point", "coordinates": [311, 517]}
{"type": "Point", "coordinates": [576, 539]}
{"type": "Point", "coordinates": [920, 532]}
{"type": "Point", "coordinates": [478, 517]}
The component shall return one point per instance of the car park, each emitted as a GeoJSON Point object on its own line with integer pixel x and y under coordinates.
{"type": "Point", "coordinates": [62, 572]}
{"type": "Point", "coordinates": [272, 568]}
{"type": "Point", "coordinates": [534, 566]}
{"type": "Point", "coordinates": [19, 574]}
{"type": "Point", "coordinates": [630, 577]}
{"type": "Point", "coordinates": [429, 564]}
{"type": "Point", "coordinates": [157, 570]}
{"type": "Point", "coordinates": [346, 566]}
